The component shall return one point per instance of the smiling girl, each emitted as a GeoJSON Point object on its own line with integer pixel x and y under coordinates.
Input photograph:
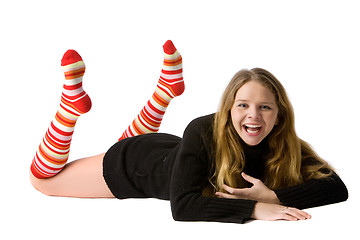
{"type": "Point", "coordinates": [243, 162]}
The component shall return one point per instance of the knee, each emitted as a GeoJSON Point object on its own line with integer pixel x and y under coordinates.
{"type": "Point", "coordinates": [39, 184]}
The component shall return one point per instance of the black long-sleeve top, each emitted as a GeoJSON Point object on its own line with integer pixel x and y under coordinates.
{"type": "Point", "coordinates": [167, 167]}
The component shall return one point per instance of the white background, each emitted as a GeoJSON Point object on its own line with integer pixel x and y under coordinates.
{"type": "Point", "coordinates": [311, 46]}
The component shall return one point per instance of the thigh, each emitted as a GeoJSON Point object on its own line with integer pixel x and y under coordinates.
{"type": "Point", "coordinates": [82, 178]}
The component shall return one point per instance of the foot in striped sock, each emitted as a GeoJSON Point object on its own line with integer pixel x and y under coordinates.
{"type": "Point", "coordinates": [73, 95]}
{"type": "Point", "coordinates": [171, 79]}
{"type": "Point", "coordinates": [169, 86]}
{"type": "Point", "coordinates": [53, 151]}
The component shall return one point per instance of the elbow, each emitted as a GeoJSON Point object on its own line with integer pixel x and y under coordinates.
{"type": "Point", "coordinates": [178, 205]}
{"type": "Point", "coordinates": [176, 217]}
{"type": "Point", "coordinates": [342, 191]}
{"type": "Point", "coordinates": [339, 192]}
{"type": "Point", "coordinates": [182, 209]}
{"type": "Point", "coordinates": [177, 212]}
{"type": "Point", "coordinates": [344, 194]}
{"type": "Point", "coordinates": [187, 208]}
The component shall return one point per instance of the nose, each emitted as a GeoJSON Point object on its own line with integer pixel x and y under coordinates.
{"type": "Point", "coordinates": [253, 113]}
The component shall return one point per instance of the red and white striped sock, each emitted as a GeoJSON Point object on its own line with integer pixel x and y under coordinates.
{"type": "Point", "coordinates": [170, 85]}
{"type": "Point", "coordinates": [53, 151]}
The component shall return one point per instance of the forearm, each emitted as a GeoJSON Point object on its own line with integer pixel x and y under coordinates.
{"type": "Point", "coordinates": [194, 207]}
{"type": "Point", "coordinates": [316, 192]}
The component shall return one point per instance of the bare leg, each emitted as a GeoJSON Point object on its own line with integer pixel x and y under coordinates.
{"type": "Point", "coordinates": [82, 178]}
{"type": "Point", "coordinates": [49, 172]}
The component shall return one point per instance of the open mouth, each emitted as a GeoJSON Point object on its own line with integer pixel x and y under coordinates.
{"type": "Point", "coordinates": [252, 128]}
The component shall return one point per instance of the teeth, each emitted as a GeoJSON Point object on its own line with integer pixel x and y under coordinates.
{"type": "Point", "coordinates": [252, 126]}
{"type": "Point", "coordinates": [251, 131]}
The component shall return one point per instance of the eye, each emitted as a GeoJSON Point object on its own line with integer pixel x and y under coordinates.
{"type": "Point", "coordinates": [265, 107]}
{"type": "Point", "coordinates": [242, 105]}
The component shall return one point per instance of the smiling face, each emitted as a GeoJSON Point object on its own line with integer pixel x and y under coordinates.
{"type": "Point", "coordinates": [254, 112]}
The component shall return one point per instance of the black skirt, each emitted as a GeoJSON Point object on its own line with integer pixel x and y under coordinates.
{"type": "Point", "coordinates": [141, 166]}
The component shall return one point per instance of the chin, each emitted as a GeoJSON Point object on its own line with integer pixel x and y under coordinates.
{"type": "Point", "coordinates": [252, 142]}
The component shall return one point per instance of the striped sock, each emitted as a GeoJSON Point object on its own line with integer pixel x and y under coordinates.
{"type": "Point", "coordinates": [53, 151]}
{"type": "Point", "coordinates": [170, 85]}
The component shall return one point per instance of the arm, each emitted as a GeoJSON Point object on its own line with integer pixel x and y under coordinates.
{"type": "Point", "coordinates": [190, 175]}
{"type": "Point", "coordinates": [268, 206]}
{"type": "Point", "coordinates": [314, 193]}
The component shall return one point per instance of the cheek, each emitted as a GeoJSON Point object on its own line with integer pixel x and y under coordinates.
{"type": "Point", "coordinates": [235, 118]}
{"type": "Point", "coordinates": [272, 120]}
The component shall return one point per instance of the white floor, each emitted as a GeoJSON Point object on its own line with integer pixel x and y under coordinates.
{"type": "Point", "coordinates": [149, 218]}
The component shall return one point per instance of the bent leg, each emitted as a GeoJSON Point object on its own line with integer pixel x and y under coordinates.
{"type": "Point", "coordinates": [82, 178]}
{"type": "Point", "coordinates": [53, 151]}
{"type": "Point", "coordinates": [169, 86]}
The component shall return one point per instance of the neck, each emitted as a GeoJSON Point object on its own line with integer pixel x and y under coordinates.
{"type": "Point", "coordinates": [261, 147]}
{"type": "Point", "coordinates": [255, 158]}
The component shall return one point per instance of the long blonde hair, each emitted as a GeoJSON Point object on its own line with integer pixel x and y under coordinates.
{"type": "Point", "coordinates": [287, 163]}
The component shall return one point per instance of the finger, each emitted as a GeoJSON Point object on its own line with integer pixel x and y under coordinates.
{"type": "Point", "coordinates": [288, 217]}
{"type": "Point", "coordinates": [225, 195]}
{"type": "Point", "coordinates": [249, 178]}
{"type": "Point", "coordinates": [298, 214]}
{"type": "Point", "coordinates": [305, 214]}
{"type": "Point", "coordinates": [229, 189]}
{"type": "Point", "coordinates": [301, 213]}
{"type": "Point", "coordinates": [240, 193]}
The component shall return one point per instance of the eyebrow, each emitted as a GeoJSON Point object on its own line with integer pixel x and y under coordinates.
{"type": "Point", "coordinates": [243, 100]}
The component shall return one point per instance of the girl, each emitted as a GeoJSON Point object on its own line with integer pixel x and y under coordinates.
{"type": "Point", "coordinates": [243, 162]}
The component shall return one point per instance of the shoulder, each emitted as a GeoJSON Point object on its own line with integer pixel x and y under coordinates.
{"type": "Point", "coordinates": [201, 123]}
{"type": "Point", "coordinates": [198, 136]}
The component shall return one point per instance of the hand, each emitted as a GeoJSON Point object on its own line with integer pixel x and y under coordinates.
{"type": "Point", "coordinates": [258, 192]}
{"type": "Point", "coordinates": [272, 212]}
